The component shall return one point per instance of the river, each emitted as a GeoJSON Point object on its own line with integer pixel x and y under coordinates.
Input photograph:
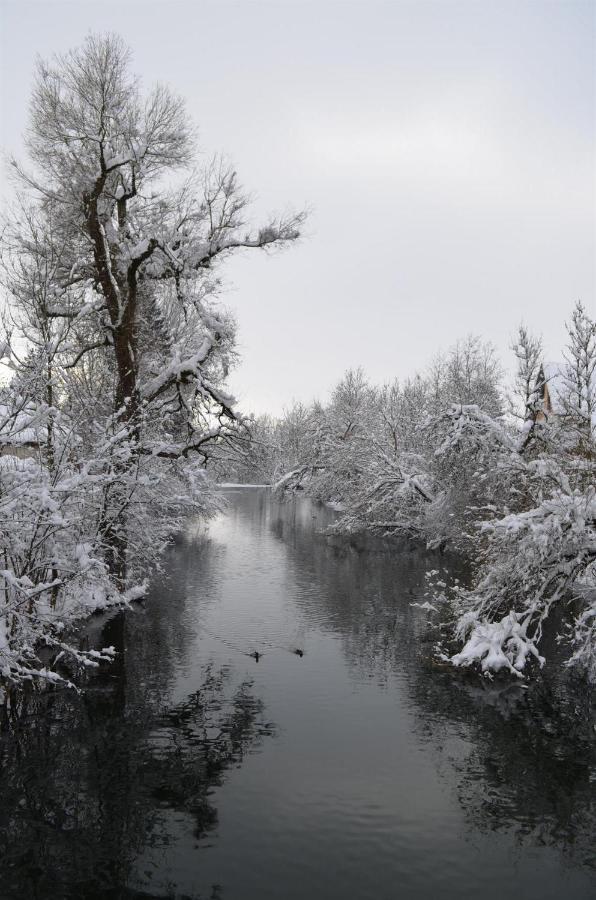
{"type": "Point", "coordinates": [274, 727]}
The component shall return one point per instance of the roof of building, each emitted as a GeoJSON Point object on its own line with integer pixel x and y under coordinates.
{"type": "Point", "coordinates": [554, 376]}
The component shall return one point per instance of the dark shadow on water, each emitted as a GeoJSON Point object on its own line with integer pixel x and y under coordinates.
{"type": "Point", "coordinates": [520, 757]}
{"type": "Point", "coordinates": [86, 779]}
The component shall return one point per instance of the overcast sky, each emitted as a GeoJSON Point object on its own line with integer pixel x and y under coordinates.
{"type": "Point", "coordinates": [446, 150]}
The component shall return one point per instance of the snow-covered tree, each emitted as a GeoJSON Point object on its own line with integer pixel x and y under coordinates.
{"type": "Point", "coordinates": [528, 352]}
{"type": "Point", "coordinates": [577, 392]}
{"type": "Point", "coordinates": [469, 373]}
{"type": "Point", "coordinates": [435, 459]}
{"type": "Point", "coordinates": [115, 335]}
{"type": "Point", "coordinates": [540, 553]}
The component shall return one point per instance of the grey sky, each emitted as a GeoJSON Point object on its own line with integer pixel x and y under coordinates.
{"type": "Point", "coordinates": [447, 151]}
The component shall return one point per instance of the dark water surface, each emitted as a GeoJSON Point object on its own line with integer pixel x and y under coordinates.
{"type": "Point", "coordinates": [355, 771]}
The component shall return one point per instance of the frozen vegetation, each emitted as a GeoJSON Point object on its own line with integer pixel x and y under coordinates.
{"type": "Point", "coordinates": [454, 459]}
{"type": "Point", "coordinates": [116, 346]}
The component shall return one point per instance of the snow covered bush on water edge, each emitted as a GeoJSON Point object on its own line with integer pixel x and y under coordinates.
{"type": "Point", "coordinates": [534, 561]}
{"type": "Point", "coordinates": [54, 549]}
{"type": "Point", "coordinates": [49, 575]}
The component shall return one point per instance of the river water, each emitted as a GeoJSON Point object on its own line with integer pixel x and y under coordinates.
{"type": "Point", "coordinates": [274, 727]}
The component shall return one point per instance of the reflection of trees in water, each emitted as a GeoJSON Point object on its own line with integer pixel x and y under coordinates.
{"type": "Point", "coordinates": [367, 585]}
{"type": "Point", "coordinates": [525, 761]}
{"type": "Point", "coordinates": [164, 630]}
{"type": "Point", "coordinates": [85, 779]}
{"type": "Point", "coordinates": [205, 735]}
{"type": "Point", "coordinates": [522, 757]}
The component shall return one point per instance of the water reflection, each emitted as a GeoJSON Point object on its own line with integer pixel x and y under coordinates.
{"type": "Point", "coordinates": [385, 774]}
{"type": "Point", "coordinates": [525, 760]}
{"type": "Point", "coordinates": [519, 757]}
{"type": "Point", "coordinates": [87, 783]}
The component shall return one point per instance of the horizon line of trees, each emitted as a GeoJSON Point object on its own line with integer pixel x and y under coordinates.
{"type": "Point", "coordinates": [454, 459]}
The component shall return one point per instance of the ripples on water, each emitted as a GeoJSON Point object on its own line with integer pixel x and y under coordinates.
{"type": "Point", "coordinates": [339, 764]}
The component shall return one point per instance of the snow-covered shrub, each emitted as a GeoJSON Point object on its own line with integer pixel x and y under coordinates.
{"type": "Point", "coordinates": [535, 559]}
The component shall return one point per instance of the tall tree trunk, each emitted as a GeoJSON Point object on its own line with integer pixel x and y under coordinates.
{"type": "Point", "coordinates": [120, 292]}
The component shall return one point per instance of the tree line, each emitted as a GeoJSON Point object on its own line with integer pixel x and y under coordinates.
{"type": "Point", "coordinates": [454, 459]}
